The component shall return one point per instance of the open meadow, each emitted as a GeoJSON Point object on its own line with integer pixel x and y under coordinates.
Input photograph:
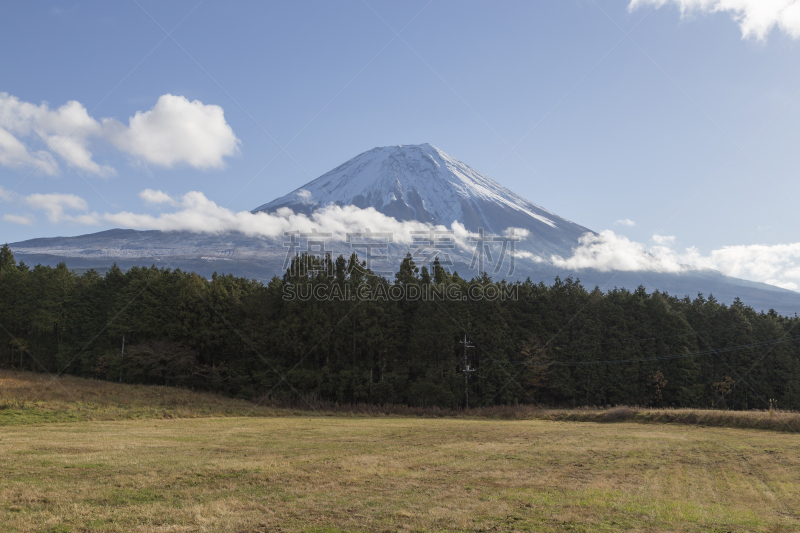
{"type": "Point", "coordinates": [194, 462]}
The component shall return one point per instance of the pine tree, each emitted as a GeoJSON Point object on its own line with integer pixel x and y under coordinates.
{"type": "Point", "coordinates": [6, 258]}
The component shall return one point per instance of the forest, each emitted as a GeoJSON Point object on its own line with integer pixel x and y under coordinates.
{"type": "Point", "coordinates": [557, 345]}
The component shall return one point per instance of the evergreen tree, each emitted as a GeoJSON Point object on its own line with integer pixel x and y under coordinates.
{"type": "Point", "coordinates": [6, 258]}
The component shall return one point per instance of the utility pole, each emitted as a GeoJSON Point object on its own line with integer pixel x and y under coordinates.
{"type": "Point", "coordinates": [467, 370]}
{"type": "Point", "coordinates": [121, 357]}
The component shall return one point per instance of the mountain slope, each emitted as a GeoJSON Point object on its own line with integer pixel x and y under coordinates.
{"type": "Point", "coordinates": [421, 182]}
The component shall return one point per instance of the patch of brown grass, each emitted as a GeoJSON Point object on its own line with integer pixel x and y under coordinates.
{"type": "Point", "coordinates": [162, 459]}
{"type": "Point", "coordinates": [28, 397]}
{"type": "Point", "coordinates": [331, 474]}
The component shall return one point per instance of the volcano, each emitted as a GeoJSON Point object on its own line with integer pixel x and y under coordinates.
{"type": "Point", "coordinates": [420, 182]}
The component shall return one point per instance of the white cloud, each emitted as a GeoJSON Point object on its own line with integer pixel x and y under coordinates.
{"type": "Point", "coordinates": [778, 265]}
{"type": "Point", "coordinates": [626, 222]}
{"type": "Point", "coordinates": [774, 264]}
{"type": "Point", "coordinates": [664, 239]}
{"type": "Point", "coordinates": [65, 131]}
{"type": "Point", "coordinates": [156, 197]}
{"type": "Point", "coordinates": [522, 254]}
{"type": "Point", "coordinates": [608, 251]}
{"type": "Point", "coordinates": [15, 154]}
{"type": "Point", "coordinates": [176, 131]}
{"type": "Point", "coordinates": [757, 262]}
{"type": "Point", "coordinates": [198, 214]}
{"type": "Point", "coordinates": [54, 206]}
{"type": "Point", "coordinates": [756, 18]}
{"type": "Point", "coordinates": [793, 273]}
{"type": "Point", "coordinates": [516, 233]}
{"type": "Point", "coordinates": [25, 220]}
{"type": "Point", "coordinates": [782, 284]}
{"type": "Point", "coordinates": [304, 197]}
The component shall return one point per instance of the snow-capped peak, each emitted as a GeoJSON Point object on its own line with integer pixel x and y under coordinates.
{"type": "Point", "coordinates": [421, 182]}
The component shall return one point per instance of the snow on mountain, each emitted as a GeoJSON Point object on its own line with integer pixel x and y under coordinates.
{"type": "Point", "coordinates": [423, 183]}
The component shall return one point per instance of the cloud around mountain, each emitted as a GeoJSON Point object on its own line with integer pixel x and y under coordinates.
{"type": "Point", "coordinates": [756, 18]}
{"type": "Point", "coordinates": [175, 131]}
{"type": "Point", "coordinates": [196, 213]}
{"type": "Point", "coordinates": [777, 265]}
{"type": "Point", "coordinates": [606, 251]}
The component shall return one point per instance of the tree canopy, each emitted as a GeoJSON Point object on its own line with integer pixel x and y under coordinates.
{"type": "Point", "coordinates": [314, 333]}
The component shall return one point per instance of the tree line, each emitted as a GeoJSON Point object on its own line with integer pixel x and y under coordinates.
{"type": "Point", "coordinates": [558, 345]}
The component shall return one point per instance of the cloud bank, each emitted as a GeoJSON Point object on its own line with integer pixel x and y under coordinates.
{"type": "Point", "coordinates": [196, 213]}
{"type": "Point", "coordinates": [777, 265]}
{"type": "Point", "coordinates": [608, 251]}
{"type": "Point", "coordinates": [756, 18]}
{"type": "Point", "coordinates": [174, 132]}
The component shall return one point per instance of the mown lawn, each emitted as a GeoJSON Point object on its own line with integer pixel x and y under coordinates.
{"type": "Point", "coordinates": [318, 473]}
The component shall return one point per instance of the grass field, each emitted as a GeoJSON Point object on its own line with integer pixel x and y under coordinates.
{"type": "Point", "coordinates": [110, 462]}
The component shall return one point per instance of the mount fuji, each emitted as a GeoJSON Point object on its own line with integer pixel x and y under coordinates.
{"type": "Point", "coordinates": [422, 183]}
{"type": "Point", "coordinates": [416, 184]}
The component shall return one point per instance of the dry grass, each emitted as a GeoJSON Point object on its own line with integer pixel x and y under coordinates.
{"type": "Point", "coordinates": [775, 420]}
{"type": "Point", "coordinates": [124, 467]}
{"type": "Point", "coordinates": [28, 397]}
{"type": "Point", "coordinates": [368, 474]}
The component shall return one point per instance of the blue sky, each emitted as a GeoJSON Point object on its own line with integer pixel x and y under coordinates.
{"type": "Point", "coordinates": [601, 111]}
